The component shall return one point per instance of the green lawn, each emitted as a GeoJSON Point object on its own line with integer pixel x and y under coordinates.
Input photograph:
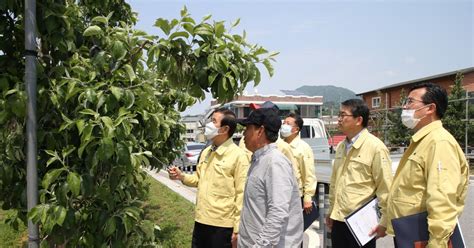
{"type": "Point", "coordinates": [10, 237]}
{"type": "Point", "coordinates": [174, 215]}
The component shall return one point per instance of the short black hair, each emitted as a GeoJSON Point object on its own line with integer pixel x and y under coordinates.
{"type": "Point", "coordinates": [358, 108]}
{"type": "Point", "coordinates": [271, 135]}
{"type": "Point", "coordinates": [434, 94]}
{"type": "Point", "coordinates": [229, 119]}
{"type": "Point", "coordinates": [298, 120]}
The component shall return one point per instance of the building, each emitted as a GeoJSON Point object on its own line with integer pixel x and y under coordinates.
{"type": "Point", "coordinates": [306, 106]}
{"type": "Point", "coordinates": [388, 97]}
{"type": "Point", "coordinates": [193, 127]}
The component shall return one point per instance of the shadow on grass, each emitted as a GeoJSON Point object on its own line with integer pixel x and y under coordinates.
{"type": "Point", "coordinates": [167, 232]}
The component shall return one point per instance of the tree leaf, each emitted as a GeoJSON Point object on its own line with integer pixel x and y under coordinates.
{"type": "Point", "coordinates": [173, 23]}
{"type": "Point", "coordinates": [184, 11]}
{"type": "Point", "coordinates": [235, 23]}
{"type": "Point", "coordinates": [202, 30]}
{"type": "Point", "coordinates": [188, 20]}
{"type": "Point", "coordinates": [67, 150]}
{"type": "Point", "coordinates": [54, 157]}
{"type": "Point", "coordinates": [164, 25]}
{"type": "Point", "coordinates": [127, 223]}
{"type": "Point", "coordinates": [59, 213]}
{"type": "Point", "coordinates": [52, 153]}
{"type": "Point", "coordinates": [129, 99]}
{"type": "Point", "coordinates": [89, 112]}
{"type": "Point", "coordinates": [100, 19]}
{"type": "Point", "coordinates": [93, 31]}
{"type": "Point", "coordinates": [87, 133]}
{"type": "Point", "coordinates": [51, 160]}
{"type": "Point", "coordinates": [130, 72]}
{"type": "Point", "coordinates": [107, 122]}
{"type": "Point", "coordinates": [82, 148]}
{"type": "Point", "coordinates": [179, 34]}
{"type": "Point", "coordinates": [106, 149]}
{"type": "Point", "coordinates": [212, 77]}
{"type": "Point", "coordinates": [133, 212]}
{"type": "Point", "coordinates": [257, 77]}
{"type": "Point", "coordinates": [80, 125]}
{"type": "Point", "coordinates": [269, 67]}
{"type": "Point", "coordinates": [189, 27]}
{"type": "Point", "coordinates": [206, 17]}
{"type": "Point", "coordinates": [50, 177]}
{"type": "Point", "coordinates": [117, 92]}
{"type": "Point", "coordinates": [74, 181]}
{"type": "Point", "coordinates": [110, 226]}
{"type": "Point", "coordinates": [219, 29]}
{"type": "Point", "coordinates": [260, 51]}
{"type": "Point", "coordinates": [118, 50]}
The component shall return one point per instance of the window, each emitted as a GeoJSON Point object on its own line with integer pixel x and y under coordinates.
{"type": "Point", "coordinates": [189, 131]}
{"type": "Point", "coordinates": [247, 111]}
{"type": "Point", "coordinates": [195, 147]}
{"type": "Point", "coordinates": [376, 102]}
{"type": "Point", "coordinates": [306, 132]}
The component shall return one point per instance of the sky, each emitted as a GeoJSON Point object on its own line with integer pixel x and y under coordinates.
{"type": "Point", "coordinates": [357, 44]}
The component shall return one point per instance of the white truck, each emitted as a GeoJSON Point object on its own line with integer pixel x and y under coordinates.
{"type": "Point", "coordinates": [314, 133]}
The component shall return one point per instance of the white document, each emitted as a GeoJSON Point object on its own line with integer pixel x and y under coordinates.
{"type": "Point", "coordinates": [363, 220]}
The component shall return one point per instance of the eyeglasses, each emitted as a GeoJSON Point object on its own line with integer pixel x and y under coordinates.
{"type": "Point", "coordinates": [410, 100]}
{"type": "Point", "coordinates": [342, 115]}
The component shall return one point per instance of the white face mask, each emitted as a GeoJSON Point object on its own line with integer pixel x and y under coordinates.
{"type": "Point", "coordinates": [211, 131]}
{"type": "Point", "coordinates": [408, 117]}
{"type": "Point", "coordinates": [285, 130]}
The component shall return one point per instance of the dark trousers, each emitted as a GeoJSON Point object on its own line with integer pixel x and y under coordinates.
{"type": "Point", "coordinates": [205, 236]}
{"type": "Point", "coordinates": [342, 237]}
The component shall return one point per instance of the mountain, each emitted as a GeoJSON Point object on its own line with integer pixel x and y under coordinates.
{"type": "Point", "coordinates": [330, 93]}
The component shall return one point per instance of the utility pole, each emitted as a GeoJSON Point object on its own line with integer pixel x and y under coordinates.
{"type": "Point", "coordinates": [31, 152]}
{"type": "Point", "coordinates": [467, 124]}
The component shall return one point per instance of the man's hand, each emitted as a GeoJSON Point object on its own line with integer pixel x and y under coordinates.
{"type": "Point", "coordinates": [175, 173]}
{"type": "Point", "coordinates": [234, 240]}
{"type": "Point", "coordinates": [308, 207]}
{"type": "Point", "coordinates": [329, 223]}
{"type": "Point", "coordinates": [379, 230]}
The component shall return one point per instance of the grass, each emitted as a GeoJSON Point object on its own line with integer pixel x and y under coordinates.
{"type": "Point", "coordinates": [10, 237]}
{"type": "Point", "coordinates": [173, 213]}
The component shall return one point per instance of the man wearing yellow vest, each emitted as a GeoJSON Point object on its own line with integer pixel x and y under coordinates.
{"type": "Point", "coordinates": [220, 178]}
{"type": "Point", "coordinates": [433, 174]}
{"type": "Point", "coordinates": [361, 171]}
{"type": "Point", "coordinates": [306, 177]}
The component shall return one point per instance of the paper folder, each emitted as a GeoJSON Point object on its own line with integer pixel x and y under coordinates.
{"type": "Point", "coordinates": [412, 231]}
{"type": "Point", "coordinates": [311, 217]}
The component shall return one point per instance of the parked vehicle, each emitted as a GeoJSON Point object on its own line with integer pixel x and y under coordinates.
{"type": "Point", "coordinates": [314, 133]}
{"type": "Point", "coordinates": [189, 156]}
